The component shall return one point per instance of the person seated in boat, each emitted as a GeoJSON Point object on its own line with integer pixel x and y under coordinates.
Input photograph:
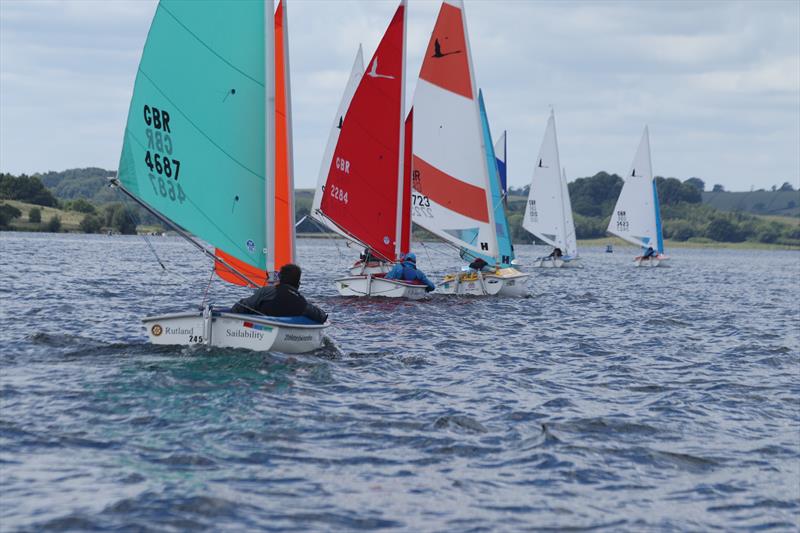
{"type": "Point", "coordinates": [407, 270]}
{"type": "Point", "coordinates": [479, 265]}
{"type": "Point", "coordinates": [281, 299]}
{"type": "Point", "coordinates": [555, 254]}
{"type": "Point", "coordinates": [649, 253]}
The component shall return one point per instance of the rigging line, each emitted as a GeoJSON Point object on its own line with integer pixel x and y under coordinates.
{"type": "Point", "coordinates": [208, 285]}
{"type": "Point", "coordinates": [203, 133]}
{"type": "Point", "coordinates": [201, 41]}
{"type": "Point", "coordinates": [325, 231]}
{"type": "Point", "coordinates": [181, 231]}
{"type": "Point", "coordinates": [189, 199]}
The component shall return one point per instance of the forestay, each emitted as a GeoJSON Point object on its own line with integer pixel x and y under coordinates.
{"type": "Point", "coordinates": [450, 179]}
{"type": "Point", "coordinates": [548, 213]}
{"type": "Point", "coordinates": [636, 217]}
{"type": "Point", "coordinates": [365, 177]}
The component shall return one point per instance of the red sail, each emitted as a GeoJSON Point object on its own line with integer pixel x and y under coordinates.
{"type": "Point", "coordinates": [405, 239]}
{"type": "Point", "coordinates": [361, 192]}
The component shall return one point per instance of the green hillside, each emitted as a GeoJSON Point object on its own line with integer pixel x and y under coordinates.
{"type": "Point", "coordinates": [782, 202]}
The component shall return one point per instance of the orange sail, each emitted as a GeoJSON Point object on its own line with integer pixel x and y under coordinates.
{"type": "Point", "coordinates": [284, 178]}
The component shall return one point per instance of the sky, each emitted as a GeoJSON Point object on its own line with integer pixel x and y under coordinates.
{"type": "Point", "coordinates": [717, 82]}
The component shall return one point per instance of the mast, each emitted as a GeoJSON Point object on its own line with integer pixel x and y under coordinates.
{"type": "Point", "coordinates": [560, 186]}
{"type": "Point", "coordinates": [269, 132]}
{"type": "Point", "coordinates": [486, 183]}
{"type": "Point", "coordinates": [401, 170]}
{"type": "Point", "coordinates": [289, 137]}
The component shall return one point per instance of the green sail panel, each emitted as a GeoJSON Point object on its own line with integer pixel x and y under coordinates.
{"type": "Point", "coordinates": [194, 141]}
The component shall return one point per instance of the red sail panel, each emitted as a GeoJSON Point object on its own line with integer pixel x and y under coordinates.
{"type": "Point", "coordinates": [446, 62]}
{"type": "Point", "coordinates": [258, 276]}
{"type": "Point", "coordinates": [283, 224]}
{"type": "Point", "coordinates": [405, 236]}
{"type": "Point", "coordinates": [362, 185]}
{"type": "Point", "coordinates": [450, 192]}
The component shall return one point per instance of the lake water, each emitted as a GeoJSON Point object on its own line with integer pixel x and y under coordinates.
{"type": "Point", "coordinates": [612, 398]}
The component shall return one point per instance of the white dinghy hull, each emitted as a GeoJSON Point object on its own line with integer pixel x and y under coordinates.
{"type": "Point", "coordinates": [373, 267]}
{"type": "Point", "coordinates": [504, 282]}
{"type": "Point", "coordinates": [232, 330]}
{"type": "Point", "coordinates": [378, 286]}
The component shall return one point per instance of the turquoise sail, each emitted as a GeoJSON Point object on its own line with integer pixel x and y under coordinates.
{"type": "Point", "coordinates": [659, 233]}
{"type": "Point", "coordinates": [504, 247]}
{"type": "Point", "coordinates": [194, 141]}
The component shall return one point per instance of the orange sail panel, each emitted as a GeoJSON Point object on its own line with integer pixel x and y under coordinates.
{"type": "Point", "coordinates": [448, 41]}
{"type": "Point", "coordinates": [284, 183]}
{"type": "Point", "coordinates": [252, 273]}
{"type": "Point", "coordinates": [361, 192]}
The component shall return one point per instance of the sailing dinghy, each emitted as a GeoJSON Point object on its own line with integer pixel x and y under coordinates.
{"type": "Point", "coordinates": [456, 188]}
{"type": "Point", "coordinates": [366, 190]}
{"type": "Point", "coordinates": [207, 149]}
{"type": "Point", "coordinates": [548, 213]}
{"type": "Point", "coordinates": [637, 216]}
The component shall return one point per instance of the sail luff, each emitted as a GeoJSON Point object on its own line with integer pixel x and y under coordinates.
{"type": "Point", "coordinates": [269, 132]}
{"type": "Point", "coordinates": [401, 174]}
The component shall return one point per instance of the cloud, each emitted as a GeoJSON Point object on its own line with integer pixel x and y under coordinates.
{"type": "Point", "coordinates": [714, 80]}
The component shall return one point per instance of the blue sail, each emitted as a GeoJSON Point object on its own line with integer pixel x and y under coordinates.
{"type": "Point", "coordinates": [504, 247]}
{"type": "Point", "coordinates": [659, 234]}
{"type": "Point", "coordinates": [501, 156]}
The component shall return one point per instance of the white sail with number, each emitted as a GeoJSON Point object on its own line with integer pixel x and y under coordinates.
{"type": "Point", "coordinates": [636, 217]}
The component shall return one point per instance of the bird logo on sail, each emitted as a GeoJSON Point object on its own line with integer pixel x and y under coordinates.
{"type": "Point", "coordinates": [437, 50]}
{"type": "Point", "coordinates": [374, 72]}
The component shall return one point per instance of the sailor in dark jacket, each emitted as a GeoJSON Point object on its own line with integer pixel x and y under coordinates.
{"type": "Point", "coordinates": [281, 299]}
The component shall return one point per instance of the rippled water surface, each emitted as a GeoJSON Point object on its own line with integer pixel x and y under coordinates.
{"type": "Point", "coordinates": [612, 398]}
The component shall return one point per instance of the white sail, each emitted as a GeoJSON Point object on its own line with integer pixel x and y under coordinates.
{"type": "Point", "coordinates": [450, 177]}
{"type": "Point", "coordinates": [548, 213]}
{"type": "Point", "coordinates": [570, 240]}
{"type": "Point", "coordinates": [352, 84]}
{"type": "Point", "coordinates": [636, 218]}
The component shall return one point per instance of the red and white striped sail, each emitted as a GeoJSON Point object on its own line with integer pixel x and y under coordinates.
{"type": "Point", "coordinates": [363, 189]}
{"type": "Point", "coordinates": [452, 194]}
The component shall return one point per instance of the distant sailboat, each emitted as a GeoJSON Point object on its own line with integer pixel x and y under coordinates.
{"type": "Point", "coordinates": [366, 192]}
{"type": "Point", "coordinates": [207, 149]}
{"type": "Point", "coordinates": [548, 213]}
{"type": "Point", "coordinates": [637, 216]}
{"type": "Point", "coordinates": [456, 188]}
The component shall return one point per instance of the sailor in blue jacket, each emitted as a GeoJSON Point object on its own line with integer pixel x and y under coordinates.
{"type": "Point", "coordinates": [407, 271]}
